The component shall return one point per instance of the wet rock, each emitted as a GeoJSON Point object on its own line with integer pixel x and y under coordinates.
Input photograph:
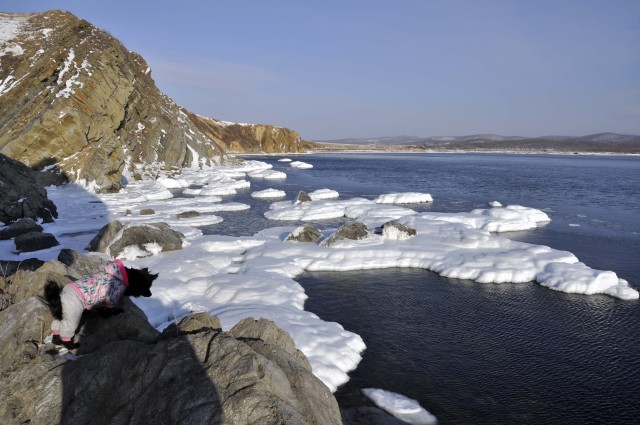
{"type": "Point", "coordinates": [353, 231]}
{"type": "Point", "coordinates": [20, 227]}
{"type": "Point", "coordinates": [302, 197]}
{"type": "Point", "coordinates": [35, 241]}
{"type": "Point", "coordinates": [305, 233]}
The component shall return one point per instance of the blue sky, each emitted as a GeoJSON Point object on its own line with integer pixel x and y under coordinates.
{"type": "Point", "coordinates": [344, 68]}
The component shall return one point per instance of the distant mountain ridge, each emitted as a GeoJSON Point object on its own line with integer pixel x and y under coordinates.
{"type": "Point", "coordinates": [593, 143]}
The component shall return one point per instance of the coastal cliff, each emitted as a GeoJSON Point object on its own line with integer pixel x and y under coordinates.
{"type": "Point", "coordinates": [75, 100]}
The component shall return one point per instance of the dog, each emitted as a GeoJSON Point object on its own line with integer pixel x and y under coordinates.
{"type": "Point", "coordinates": [102, 289]}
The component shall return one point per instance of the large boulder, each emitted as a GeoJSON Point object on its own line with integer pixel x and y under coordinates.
{"type": "Point", "coordinates": [20, 227]}
{"type": "Point", "coordinates": [20, 195]}
{"type": "Point", "coordinates": [35, 241]}
{"type": "Point", "coordinates": [304, 233]}
{"type": "Point", "coordinates": [115, 237]}
{"type": "Point", "coordinates": [352, 231]}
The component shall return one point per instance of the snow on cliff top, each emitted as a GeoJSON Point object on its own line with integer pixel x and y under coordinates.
{"type": "Point", "coordinates": [10, 26]}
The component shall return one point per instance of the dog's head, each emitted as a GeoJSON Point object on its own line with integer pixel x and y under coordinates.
{"type": "Point", "coordinates": [140, 281]}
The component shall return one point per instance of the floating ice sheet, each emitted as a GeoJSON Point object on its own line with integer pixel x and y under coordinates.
{"type": "Point", "coordinates": [403, 408]}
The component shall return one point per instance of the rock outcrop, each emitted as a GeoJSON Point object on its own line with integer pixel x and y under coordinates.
{"type": "Point", "coordinates": [147, 238]}
{"type": "Point", "coordinates": [35, 241]}
{"type": "Point", "coordinates": [76, 99]}
{"type": "Point", "coordinates": [352, 230]}
{"type": "Point", "coordinates": [131, 374]}
{"type": "Point", "coordinates": [304, 233]}
{"type": "Point", "coordinates": [20, 194]}
{"type": "Point", "coordinates": [251, 138]}
{"type": "Point", "coordinates": [20, 227]}
{"type": "Point", "coordinates": [77, 102]}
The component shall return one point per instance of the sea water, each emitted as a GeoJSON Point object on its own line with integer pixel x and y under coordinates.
{"type": "Point", "coordinates": [485, 353]}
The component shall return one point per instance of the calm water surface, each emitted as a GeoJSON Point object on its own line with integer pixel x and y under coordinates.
{"type": "Point", "coordinates": [484, 353]}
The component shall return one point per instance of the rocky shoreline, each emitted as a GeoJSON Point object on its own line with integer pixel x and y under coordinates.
{"type": "Point", "coordinates": [129, 372]}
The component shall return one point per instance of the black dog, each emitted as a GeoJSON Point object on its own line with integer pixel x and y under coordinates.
{"type": "Point", "coordinates": [102, 289]}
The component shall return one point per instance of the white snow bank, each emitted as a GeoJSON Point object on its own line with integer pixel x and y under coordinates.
{"type": "Point", "coordinates": [320, 194]}
{"type": "Point", "coordinates": [268, 193]}
{"type": "Point", "coordinates": [510, 218]}
{"type": "Point", "coordinates": [403, 198]}
{"type": "Point", "coordinates": [577, 278]}
{"type": "Point", "coordinates": [403, 408]}
{"type": "Point", "coordinates": [300, 164]}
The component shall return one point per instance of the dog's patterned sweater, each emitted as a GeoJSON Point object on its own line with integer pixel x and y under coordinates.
{"type": "Point", "coordinates": [103, 288]}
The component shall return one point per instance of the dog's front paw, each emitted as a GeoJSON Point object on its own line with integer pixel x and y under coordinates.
{"type": "Point", "coordinates": [70, 345]}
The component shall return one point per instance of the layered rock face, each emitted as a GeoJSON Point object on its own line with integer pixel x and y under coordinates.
{"type": "Point", "coordinates": [251, 138]}
{"type": "Point", "coordinates": [75, 99]}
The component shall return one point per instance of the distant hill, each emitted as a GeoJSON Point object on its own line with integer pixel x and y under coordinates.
{"type": "Point", "coordinates": [593, 143]}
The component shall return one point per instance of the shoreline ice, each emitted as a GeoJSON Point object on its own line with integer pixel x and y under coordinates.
{"type": "Point", "coordinates": [238, 277]}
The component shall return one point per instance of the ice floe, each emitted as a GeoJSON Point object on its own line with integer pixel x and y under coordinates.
{"type": "Point", "coordinates": [269, 193]}
{"type": "Point", "coordinates": [319, 194]}
{"type": "Point", "coordinates": [403, 198]}
{"type": "Point", "coordinates": [300, 164]}
{"type": "Point", "coordinates": [403, 408]}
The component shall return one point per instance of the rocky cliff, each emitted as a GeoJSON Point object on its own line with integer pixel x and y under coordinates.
{"type": "Point", "coordinates": [74, 99]}
{"type": "Point", "coordinates": [251, 138]}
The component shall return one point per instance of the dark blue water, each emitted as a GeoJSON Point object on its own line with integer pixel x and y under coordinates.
{"type": "Point", "coordinates": [484, 353]}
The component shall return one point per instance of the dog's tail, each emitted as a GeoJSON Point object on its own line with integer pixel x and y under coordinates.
{"type": "Point", "coordinates": [52, 295]}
